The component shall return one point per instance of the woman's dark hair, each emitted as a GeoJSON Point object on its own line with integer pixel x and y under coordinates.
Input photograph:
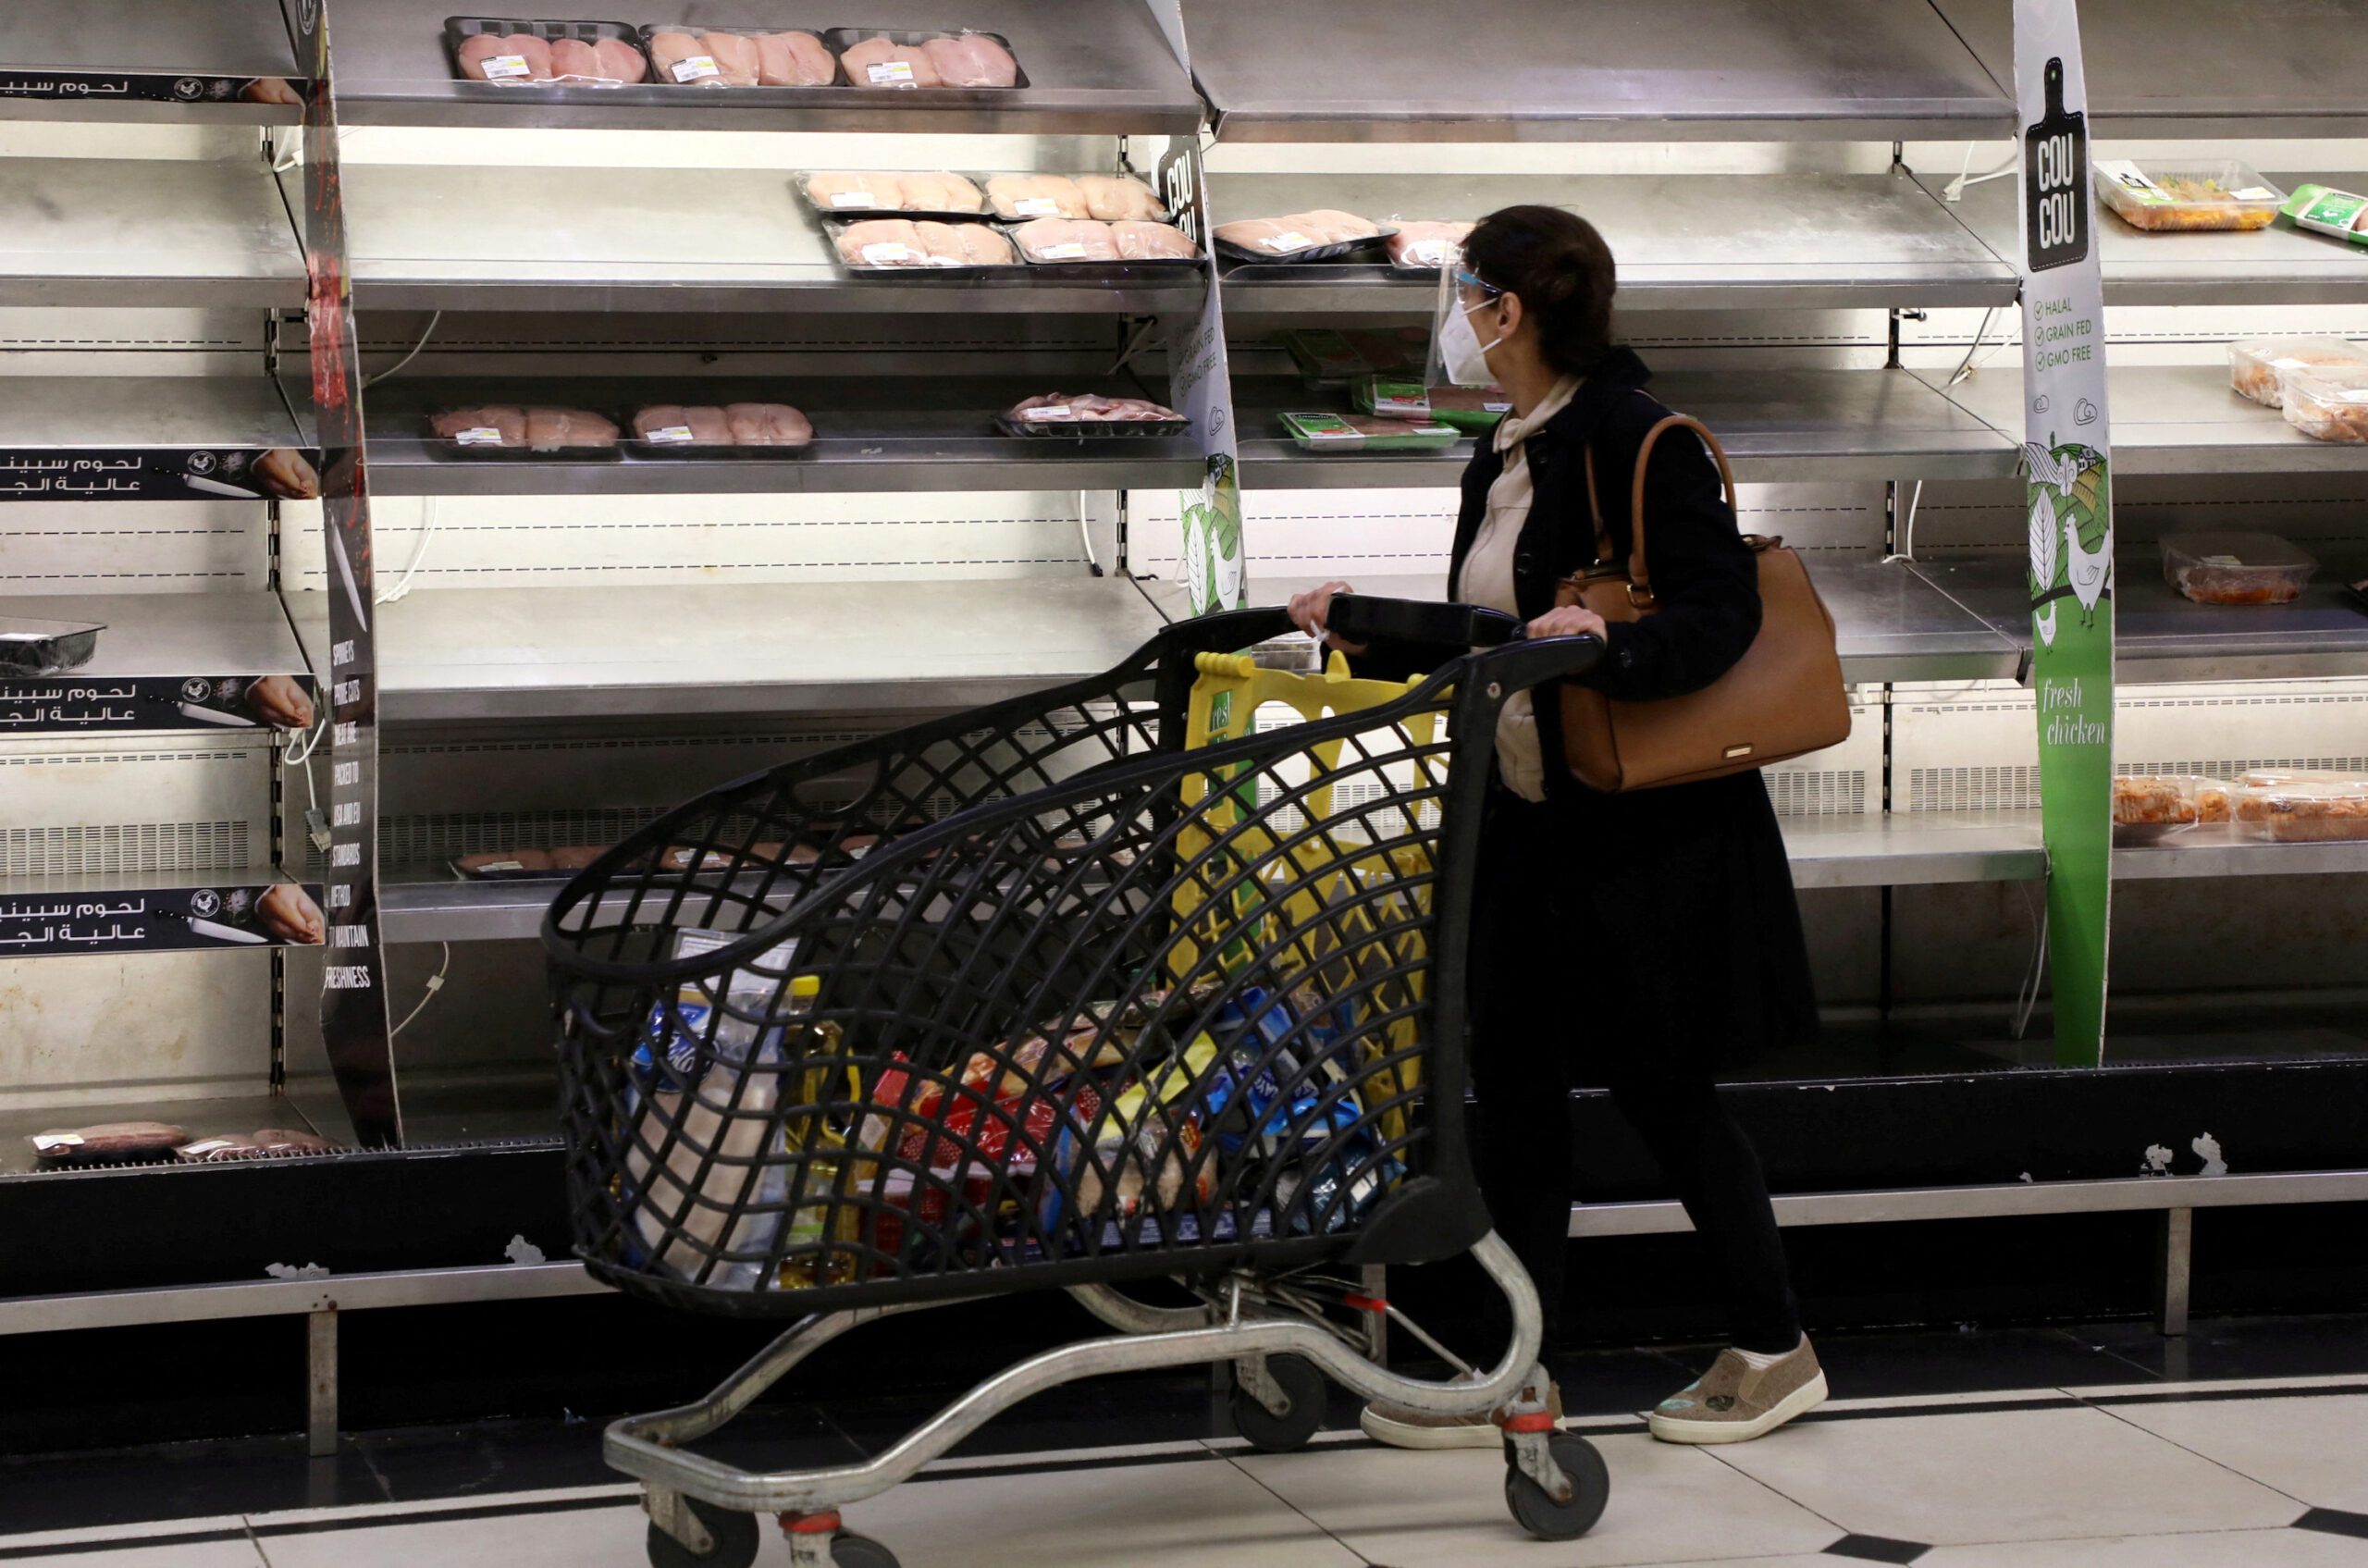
{"type": "Point", "coordinates": [1562, 269]}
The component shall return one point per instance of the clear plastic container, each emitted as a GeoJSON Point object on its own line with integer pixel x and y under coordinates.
{"type": "Point", "coordinates": [2230, 567]}
{"type": "Point", "coordinates": [2258, 368]}
{"type": "Point", "coordinates": [2330, 405]}
{"type": "Point", "coordinates": [2322, 808]}
{"type": "Point", "coordinates": [1365, 432]}
{"type": "Point", "coordinates": [2148, 807]}
{"type": "Point", "coordinates": [2223, 193]}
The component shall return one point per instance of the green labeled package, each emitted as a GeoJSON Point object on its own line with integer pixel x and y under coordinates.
{"type": "Point", "coordinates": [2330, 211]}
{"type": "Point", "coordinates": [1363, 432]}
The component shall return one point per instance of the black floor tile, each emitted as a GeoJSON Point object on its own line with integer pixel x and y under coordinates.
{"type": "Point", "coordinates": [2239, 1347]}
{"type": "Point", "coordinates": [71, 1492]}
{"type": "Point", "coordinates": [419, 1464]}
{"type": "Point", "coordinates": [1877, 1549]}
{"type": "Point", "coordinates": [1102, 1413]}
{"type": "Point", "coordinates": [1977, 1360]}
{"type": "Point", "coordinates": [2335, 1522]}
{"type": "Point", "coordinates": [1624, 1382]}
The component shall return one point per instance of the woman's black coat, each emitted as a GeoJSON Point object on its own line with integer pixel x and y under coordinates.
{"type": "Point", "coordinates": [1683, 923]}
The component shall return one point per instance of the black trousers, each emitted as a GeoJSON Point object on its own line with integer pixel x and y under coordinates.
{"type": "Point", "coordinates": [1546, 1020]}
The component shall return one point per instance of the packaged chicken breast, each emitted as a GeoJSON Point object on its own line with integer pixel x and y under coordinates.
{"type": "Point", "coordinates": [2230, 566]}
{"type": "Point", "coordinates": [873, 57]}
{"type": "Point", "coordinates": [894, 246]}
{"type": "Point", "coordinates": [1088, 413]}
{"type": "Point", "coordinates": [509, 53]}
{"type": "Point", "coordinates": [1318, 234]}
{"type": "Point", "coordinates": [2329, 403]}
{"type": "Point", "coordinates": [2149, 807]}
{"type": "Point", "coordinates": [503, 430]}
{"type": "Point", "coordinates": [882, 192]}
{"type": "Point", "coordinates": [1420, 245]}
{"type": "Point", "coordinates": [683, 56]}
{"type": "Point", "coordinates": [725, 430]}
{"type": "Point", "coordinates": [2304, 808]}
{"type": "Point", "coordinates": [2258, 368]}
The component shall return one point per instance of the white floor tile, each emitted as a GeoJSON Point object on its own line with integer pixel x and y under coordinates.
{"type": "Point", "coordinates": [2310, 1447]}
{"type": "Point", "coordinates": [2004, 1476]}
{"type": "Point", "coordinates": [2226, 1549]}
{"type": "Point", "coordinates": [596, 1537]}
{"type": "Point", "coordinates": [203, 1554]}
{"type": "Point", "coordinates": [1447, 1509]}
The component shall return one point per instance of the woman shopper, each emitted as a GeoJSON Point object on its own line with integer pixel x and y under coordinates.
{"type": "Point", "coordinates": [1631, 940]}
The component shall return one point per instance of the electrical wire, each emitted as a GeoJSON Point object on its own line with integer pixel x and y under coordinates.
{"type": "Point", "coordinates": [1085, 535]}
{"type": "Point", "coordinates": [1965, 366]}
{"type": "Point", "coordinates": [418, 552]}
{"type": "Point", "coordinates": [2036, 971]}
{"type": "Point", "coordinates": [1954, 191]}
{"type": "Point", "coordinates": [434, 984]}
{"type": "Point", "coordinates": [425, 333]}
{"type": "Point", "coordinates": [1907, 530]}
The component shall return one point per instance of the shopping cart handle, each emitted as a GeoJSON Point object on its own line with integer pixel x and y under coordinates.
{"type": "Point", "coordinates": [1361, 618]}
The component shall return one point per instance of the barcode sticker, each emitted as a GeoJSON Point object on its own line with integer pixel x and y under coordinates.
{"type": "Point", "coordinates": [890, 252]}
{"type": "Point", "coordinates": [1048, 411]}
{"type": "Point", "coordinates": [2256, 194]}
{"type": "Point", "coordinates": [1433, 252]}
{"type": "Point", "coordinates": [853, 199]}
{"type": "Point", "coordinates": [477, 436]}
{"type": "Point", "coordinates": [1067, 250]}
{"type": "Point", "coordinates": [695, 67]}
{"type": "Point", "coordinates": [2133, 182]}
{"type": "Point", "coordinates": [669, 435]}
{"type": "Point", "coordinates": [501, 67]}
{"type": "Point", "coordinates": [1037, 207]}
{"type": "Point", "coordinates": [1293, 240]}
{"type": "Point", "coordinates": [892, 73]}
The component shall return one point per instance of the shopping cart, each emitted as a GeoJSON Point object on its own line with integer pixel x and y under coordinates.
{"type": "Point", "coordinates": [1125, 982]}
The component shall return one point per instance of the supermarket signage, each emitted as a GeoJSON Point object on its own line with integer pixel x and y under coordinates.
{"type": "Point", "coordinates": [2067, 456]}
{"type": "Point", "coordinates": [75, 704]}
{"type": "Point", "coordinates": [226, 916]}
{"type": "Point", "coordinates": [355, 1020]}
{"type": "Point", "coordinates": [149, 87]}
{"type": "Point", "coordinates": [1215, 575]}
{"type": "Point", "coordinates": [159, 473]}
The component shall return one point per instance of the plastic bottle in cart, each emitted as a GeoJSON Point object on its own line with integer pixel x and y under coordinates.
{"type": "Point", "coordinates": [824, 1208]}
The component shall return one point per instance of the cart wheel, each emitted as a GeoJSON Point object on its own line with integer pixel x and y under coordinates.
{"type": "Point", "coordinates": [1286, 1433]}
{"type": "Point", "coordinates": [1590, 1489]}
{"type": "Point", "coordinates": [860, 1551]}
{"type": "Point", "coordinates": [735, 1540]}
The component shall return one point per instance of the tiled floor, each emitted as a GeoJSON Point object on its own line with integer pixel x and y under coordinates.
{"type": "Point", "coordinates": [1940, 1455]}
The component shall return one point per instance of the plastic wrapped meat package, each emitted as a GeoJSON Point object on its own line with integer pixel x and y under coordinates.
{"type": "Point", "coordinates": [1145, 241]}
{"type": "Point", "coordinates": [925, 60]}
{"type": "Point", "coordinates": [1017, 196]}
{"type": "Point", "coordinates": [1366, 432]}
{"type": "Point", "coordinates": [1315, 235]}
{"type": "Point", "coordinates": [1121, 199]}
{"type": "Point", "coordinates": [501, 427]}
{"type": "Point", "coordinates": [895, 243]}
{"type": "Point", "coordinates": [1424, 246]}
{"type": "Point", "coordinates": [2304, 807]}
{"type": "Point", "coordinates": [1087, 413]}
{"type": "Point", "coordinates": [523, 54]}
{"type": "Point", "coordinates": [113, 1142]}
{"type": "Point", "coordinates": [883, 192]}
{"type": "Point", "coordinates": [2148, 807]}
{"type": "Point", "coordinates": [1065, 239]}
{"type": "Point", "coordinates": [2330, 405]}
{"type": "Point", "coordinates": [664, 425]}
{"type": "Point", "coordinates": [2232, 567]}
{"type": "Point", "coordinates": [2258, 368]}
{"type": "Point", "coordinates": [697, 56]}
{"type": "Point", "coordinates": [2161, 196]}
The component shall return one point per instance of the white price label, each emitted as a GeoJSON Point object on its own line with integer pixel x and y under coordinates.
{"type": "Point", "coordinates": [1292, 241]}
{"type": "Point", "coordinates": [1048, 411]}
{"type": "Point", "coordinates": [479, 436]}
{"type": "Point", "coordinates": [503, 68]}
{"type": "Point", "coordinates": [696, 67]}
{"type": "Point", "coordinates": [1037, 207]}
{"type": "Point", "coordinates": [2290, 363]}
{"type": "Point", "coordinates": [853, 199]}
{"type": "Point", "coordinates": [1433, 252]}
{"type": "Point", "coordinates": [1067, 250]}
{"type": "Point", "coordinates": [892, 73]}
{"type": "Point", "coordinates": [1495, 408]}
{"type": "Point", "coordinates": [2133, 182]}
{"type": "Point", "coordinates": [2351, 395]}
{"type": "Point", "coordinates": [892, 253]}
{"type": "Point", "coordinates": [2256, 194]}
{"type": "Point", "coordinates": [669, 435]}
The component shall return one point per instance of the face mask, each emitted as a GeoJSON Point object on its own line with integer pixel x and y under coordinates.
{"type": "Point", "coordinates": [1462, 358]}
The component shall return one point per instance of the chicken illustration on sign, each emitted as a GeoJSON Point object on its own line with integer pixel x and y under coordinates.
{"type": "Point", "coordinates": [2071, 533]}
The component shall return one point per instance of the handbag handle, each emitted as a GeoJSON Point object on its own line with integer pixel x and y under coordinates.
{"type": "Point", "coordinates": [1640, 585]}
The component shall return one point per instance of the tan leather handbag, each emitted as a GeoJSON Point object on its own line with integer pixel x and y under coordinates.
{"type": "Point", "coordinates": [1783, 699]}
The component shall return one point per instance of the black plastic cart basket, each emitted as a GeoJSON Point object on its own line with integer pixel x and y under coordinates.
{"type": "Point", "coordinates": [1157, 975]}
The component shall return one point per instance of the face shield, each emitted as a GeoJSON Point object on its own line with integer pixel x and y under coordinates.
{"type": "Point", "coordinates": [1458, 356]}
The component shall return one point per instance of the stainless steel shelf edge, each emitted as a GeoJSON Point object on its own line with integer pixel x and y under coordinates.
{"type": "Point", "coordinates": [2117, 1195]}
{"type": "Point", "coordinates": [400, 469]}
{"type": "Point", "coordinates": [147, 232]}
{"type": "Point", "coordinates": [274, 1298]}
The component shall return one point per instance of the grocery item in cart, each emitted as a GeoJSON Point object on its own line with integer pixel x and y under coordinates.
{"type": "Point", "coordinates": [1423, 246]}
{"type": "Point", "coordinates": [1019, 196]}
{"type": "Point", "coordinates": [2330, 405]}
{"type": "Point", "coordinates": [112, 1143]}
{"type": "Point", "coordinates": [1121, 198]}
{"type": "Point", "coordinates": [2256, 368]}
{"type": "Point", "coordinates": [1146, 240]}
{"type": "Point", "coordinates": [1065, 239]}
{"type": "Point", "coordinates": [664, 425]}
{"type": "Point", "coordinates": [2325, 210]}
{"type": "Point", "coordinates": [1088, 414]}
{"type": "Point", "coordinates": [499, 427]}
{"type": "Point", "coordinates": [2226, 193]}
{"type": "Point", "coordinates": [916, 191]}
{"type": "Point", "coordinates": [1319, 234]}
{"type": "Point", "coordinates": [894, 244]}
{"type": "Point", "coordinates": [2305, 810]}
{"type": "Point", "coordinates": [2233, 567]}
{"type": "Point", "coordinates": [1365, 432]}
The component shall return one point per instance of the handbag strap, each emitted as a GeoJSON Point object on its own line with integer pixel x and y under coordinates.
{"type": "Point", "coordinates": [1640, 585]}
